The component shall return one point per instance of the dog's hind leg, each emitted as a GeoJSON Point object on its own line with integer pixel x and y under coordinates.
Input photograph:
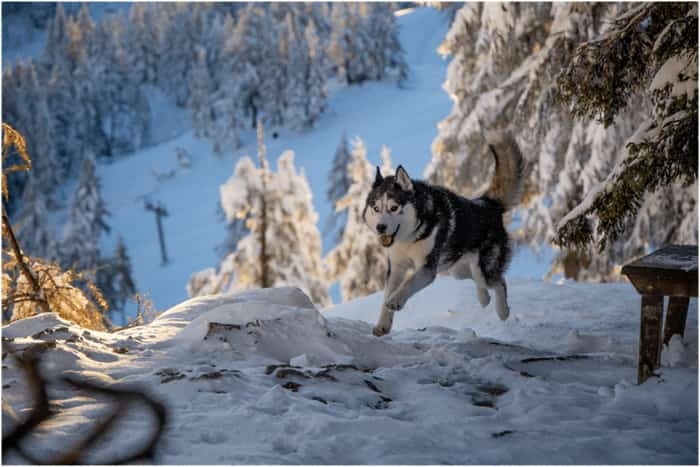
{"type": "Point", "coordinates": [502, 299]}
{"type": "Point", "coordinates": [477, 275]}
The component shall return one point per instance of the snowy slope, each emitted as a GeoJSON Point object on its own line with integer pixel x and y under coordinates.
{"type": "Point", "coordinates": [380, 113]}
{"type": "Point", "coordinates": [264, 378]}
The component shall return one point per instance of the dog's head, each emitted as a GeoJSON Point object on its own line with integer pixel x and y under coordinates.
{"type": "Point", "coordinates": [389, 209]}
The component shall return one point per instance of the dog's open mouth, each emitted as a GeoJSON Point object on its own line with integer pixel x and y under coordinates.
{"type": "Point", "coordinates": [388, 240]}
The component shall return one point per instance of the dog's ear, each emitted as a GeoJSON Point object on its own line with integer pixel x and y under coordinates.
{"type": "Point", "coordinates": [403, 179]}
{"type": "Point", "coordinates": [378, 179]}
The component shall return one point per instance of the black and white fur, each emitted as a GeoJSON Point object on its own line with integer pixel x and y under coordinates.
{"type": "Point", "coordinates": [429, 229]}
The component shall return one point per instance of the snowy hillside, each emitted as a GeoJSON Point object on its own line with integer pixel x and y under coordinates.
{"type": "Point", "coordinates": [264, 378]}
{"type": "Point", "coordinates": [380, 113]}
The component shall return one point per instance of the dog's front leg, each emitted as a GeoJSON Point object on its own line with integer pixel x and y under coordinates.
{"type": "Point", "coordinates": [421, 279]}
{"type": "Point", "coordinates": [395, 275]}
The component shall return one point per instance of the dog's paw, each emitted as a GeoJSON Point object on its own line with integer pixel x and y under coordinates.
{"type": "Point", "coordinates": [380, 331]}
{"type": "Point", "coordinates": [503, 311]}
{"type": "Point", "coordinates": [483, 296]}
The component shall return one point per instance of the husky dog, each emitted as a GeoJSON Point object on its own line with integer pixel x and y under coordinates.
{"type": "Point", "coordinates": [429, 229]}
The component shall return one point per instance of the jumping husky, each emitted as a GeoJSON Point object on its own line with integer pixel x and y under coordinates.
{"type": "Point", "coordinates": [429, 230]}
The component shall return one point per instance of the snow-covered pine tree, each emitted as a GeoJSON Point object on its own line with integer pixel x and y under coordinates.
{"type": "Point", "coordinates": [316, 75]}
{"type": "Point", "coordinates": [178, 51]}
{"type": "Point", "coordinates": [115, 281]}
{"type": "Point", "coordinates": [144, 44]}
{"type": "Point", "coordinates": [37, 123]}
{"type": "Point", "coordinates": [347, 42]}
{"type": "Point", "coordinates": [359, 262]}
{"type": "Point", "coordinates": [660, 59]}
{"type": "Point", "coordinates": [294, 52]}
{"type": "Point", "coordinates": [235, 82]}
{"type": "Point", "coordinates": [256, 43]}
{"type": "Point", "coordinates": [56, 37]}
{"type": "Point", "coordinates": [305, 92]}
{"type": "Point", "coordinates": [201, 90]}
{"type": "Point", "coordinates": [248, 48]}
{"type": "Point", "coordinates": [385, 48]}
{"type": "Point", "coordinates": [86, 222]}
{"type": "Point", "coordinates": [279, 216]}
{"type": "Point", "coordinates": [123, 107]}
{"type": "Point", "coordinates": [33, 229]}
{"type": "Point", "coordinates": [507, 80]}
{"type": "Point", "coordinates": [339, 182]}
{"type": "Point", "coordinates": [364, 42]}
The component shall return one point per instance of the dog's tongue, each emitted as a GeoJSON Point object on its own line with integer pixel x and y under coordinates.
{"type": "Point", "coordinates": [385, 239]}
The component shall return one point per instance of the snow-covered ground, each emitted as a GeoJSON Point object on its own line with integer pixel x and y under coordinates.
{"type": "Point", "coordinates": [264, 378]}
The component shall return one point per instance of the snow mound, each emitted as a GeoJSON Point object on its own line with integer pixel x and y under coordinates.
{"type": "Point", "coordinates": [278, 323]}
{"type": "Point", "coordinates": [34, 325]}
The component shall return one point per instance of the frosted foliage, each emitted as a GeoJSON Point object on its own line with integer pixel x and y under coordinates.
{"type": "Point", "coordinates": [293, 243]}
{"type": "Point", "coordinates": [505, 58]}
{"type": "Point", "coordinates": [63, 298]}
{"type": "Point", "coordinates": [358, 262]}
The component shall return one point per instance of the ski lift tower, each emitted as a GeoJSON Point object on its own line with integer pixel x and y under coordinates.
{"type": "Point", "coordinates": [159, 211]}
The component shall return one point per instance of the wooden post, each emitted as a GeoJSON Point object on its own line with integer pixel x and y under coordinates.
{"type": "Point", "coordinates": [676, 315]}
{"type": "Point", "coordinates": [650, 336]}
{"type": "Point", "coordinates": [264, 260]}
{"type": "Point", "coordinates": [159, 211]}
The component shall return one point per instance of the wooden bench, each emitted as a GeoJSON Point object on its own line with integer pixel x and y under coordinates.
{"type": "Point", "coordinates": [673, 272]}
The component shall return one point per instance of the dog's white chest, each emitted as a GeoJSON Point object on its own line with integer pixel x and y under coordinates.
{"type": "Point", "coordinates": [412, 254]}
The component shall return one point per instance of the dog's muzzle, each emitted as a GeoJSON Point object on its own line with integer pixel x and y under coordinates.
{"type": "Point", "coordinates": [388, 240]}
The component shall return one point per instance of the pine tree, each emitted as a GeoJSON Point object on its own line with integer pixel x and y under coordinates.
{"type": "Point", "coordinates": [115, 281]}
{"type": "Point", "coordinates": [178, 52]}
{"type": "Point", "coordinates": [661, 58]}
{"type": "Point", "coordinates": [359, 262]}
{"type": "Point", "coordinates": [47, 169]}
{"type": "Point", "coordinates": [144, 44]}
{"type": "Point", "coordinates": [33, 229]}
{"type": "Point", "coordinates": [384, 46]}
{"type": "Point", "coordinates": [294, 51]}
{"type": "Point", "coordinates": [344, 46]}
{"type": "Point", "coordinates": [123, 109]}
{"type": "Point", "coordinates": [234, 100]}
{"type": "Point", "coordinates": [315, 76]}
{"type": "Point", "coordinates": [278, 213]}
{"type": "Point", "coordinates": [199, 105]}
{"type": "Point", "coordinates": [339, 182]}
{"type": "Point", "coordinates": [86, 222]}
{"type": "Point", "coordinates": [256, 44]}
{"type": "Point", "coordinates": [56, 38]}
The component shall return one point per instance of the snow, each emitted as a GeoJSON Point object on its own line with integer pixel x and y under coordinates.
{"type": "Point", "coordinates": [670, 260]}
{"type": "Point", "coordinates": [278, 382]}
{"type": "Point", "coordinates": [670, 72]}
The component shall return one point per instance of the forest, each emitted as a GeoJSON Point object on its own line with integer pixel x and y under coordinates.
{"type": "Point", "coordinates": [611, 163]}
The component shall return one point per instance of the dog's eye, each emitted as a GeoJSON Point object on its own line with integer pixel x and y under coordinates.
{"type": "Point", "coordinates": [393, 208]}
{"type": "Point", "coordinates": [376, 209]}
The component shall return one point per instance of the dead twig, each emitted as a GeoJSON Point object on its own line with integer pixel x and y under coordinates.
{"type": "Point", "coordinates": [123, 397]}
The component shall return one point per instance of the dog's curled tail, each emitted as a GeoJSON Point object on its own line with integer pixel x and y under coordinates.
{"type": "Point", "coordinates": [507, 182]}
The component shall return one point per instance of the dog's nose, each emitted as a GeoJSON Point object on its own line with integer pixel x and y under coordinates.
{"type": "Point", "coordinates": [381, 228]}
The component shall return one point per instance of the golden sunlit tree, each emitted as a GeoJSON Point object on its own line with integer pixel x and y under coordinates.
{"type": "Point", "coordinates": [32, 285]}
